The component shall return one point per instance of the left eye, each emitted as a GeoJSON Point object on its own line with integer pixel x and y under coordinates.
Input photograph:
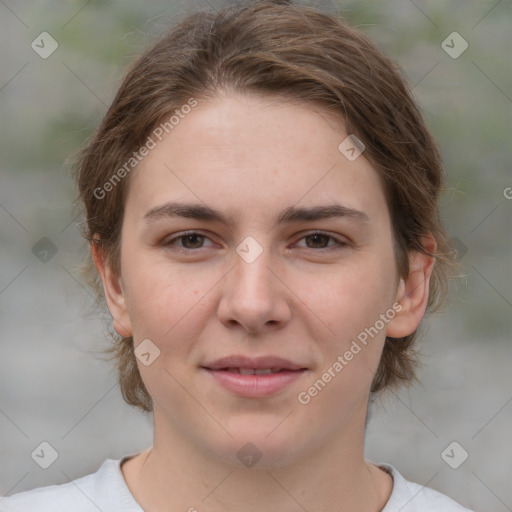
{"type": "Point", "coordinates": [321, 239]}
{"type": "Point", "coordinates": [195, 240]}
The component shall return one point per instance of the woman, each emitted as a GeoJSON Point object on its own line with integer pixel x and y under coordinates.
{"type": "Point", "coordinates": [262, 213]}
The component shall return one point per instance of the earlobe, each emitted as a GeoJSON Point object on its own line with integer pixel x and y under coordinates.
{"type": "Point", "coordinates": [112, 286]}
{"type": "Point", "coordinates": [413, 292]}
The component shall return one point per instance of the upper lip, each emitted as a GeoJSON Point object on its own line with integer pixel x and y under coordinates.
{"type": "Point", "coordinates": [256, 363]}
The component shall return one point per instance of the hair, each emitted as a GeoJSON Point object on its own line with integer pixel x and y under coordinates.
{"type": "Point", "coordinates": [292, 51]}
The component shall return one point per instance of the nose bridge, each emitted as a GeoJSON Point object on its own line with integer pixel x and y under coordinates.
{"type": "Point", "coordinates": [252, 277]}
{"type": "Point", "coordinates": [251, 294]}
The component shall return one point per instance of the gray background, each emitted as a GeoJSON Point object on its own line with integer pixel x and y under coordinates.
{"type": "Point", "coordinates": [54, 384]}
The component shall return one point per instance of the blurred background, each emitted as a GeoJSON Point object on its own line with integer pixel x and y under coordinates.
{"type": "Point", "coordinates": [55, 386]}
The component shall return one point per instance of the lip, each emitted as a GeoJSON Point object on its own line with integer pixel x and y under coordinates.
{"type": "Point", "coordinates": [258, 363]}
{"type": "Point", "coordinates": [254, 386]}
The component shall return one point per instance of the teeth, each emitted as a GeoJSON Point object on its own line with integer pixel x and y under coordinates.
{"type": "Point", "coordinates": [252, 371]}
{"type": "Point", "coordinates": [263, 372]}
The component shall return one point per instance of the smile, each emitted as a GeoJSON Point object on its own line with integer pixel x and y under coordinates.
{"type": "Point", "coordinates": [253, 371]}
{"type": "Point", "coordinates": [254, 383]}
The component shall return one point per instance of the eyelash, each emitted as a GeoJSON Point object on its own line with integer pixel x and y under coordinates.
{"type": "Point", "coordinates": [340, 243]}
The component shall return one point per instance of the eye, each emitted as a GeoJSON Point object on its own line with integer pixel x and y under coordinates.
{"type": "Point", "coordinates": [189, 241]}
{"type": "Point", "coordinates": [320, 240]}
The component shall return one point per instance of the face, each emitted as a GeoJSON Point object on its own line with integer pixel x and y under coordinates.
{"type": "Point", "coordinates": [229, 250]}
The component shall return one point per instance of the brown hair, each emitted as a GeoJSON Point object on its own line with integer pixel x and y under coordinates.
{"type": "Point", "coordinates": [273, 47]}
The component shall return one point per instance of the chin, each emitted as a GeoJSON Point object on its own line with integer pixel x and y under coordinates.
{"type": "Point", "coordinates": [257, 445]}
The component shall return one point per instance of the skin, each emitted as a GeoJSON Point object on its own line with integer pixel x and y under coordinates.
{"type": "Point", "coordinates": [303, 298]}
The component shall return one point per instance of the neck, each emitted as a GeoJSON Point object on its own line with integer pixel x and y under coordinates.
{"type": "Point", "coordinates": [176, 474]}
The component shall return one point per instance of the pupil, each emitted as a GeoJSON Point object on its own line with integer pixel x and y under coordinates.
{"type": "Point", "coordinates": [193, 237]}
{"type": "Point", "coordinates": [316, 237]}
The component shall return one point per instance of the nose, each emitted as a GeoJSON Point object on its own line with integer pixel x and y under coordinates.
{"type": "Point", "coordinates": [253, 296]}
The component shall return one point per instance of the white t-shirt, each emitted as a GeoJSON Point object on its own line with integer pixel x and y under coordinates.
{"type": "Point", "coordinates": [106, 491]}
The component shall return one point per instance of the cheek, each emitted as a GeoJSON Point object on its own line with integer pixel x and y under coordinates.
{"type": "Point", "coordinates": [168, 303]}
{"type": "Point", "coordinates": [162, 303]}
{"type": "Point", "coordinates": [152, 290]}
{"type": "Point", "coordinates": [352, 298]}
{"type": "Point", "coordinates": [351, 303]}
{"type": "Point", "coordinates": [165, 306]}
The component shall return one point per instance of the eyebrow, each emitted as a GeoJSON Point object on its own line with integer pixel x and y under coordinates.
{"type": "Point", "coordinates": [291, 214]}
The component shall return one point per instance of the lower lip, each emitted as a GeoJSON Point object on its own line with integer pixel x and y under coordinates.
{"type": "Point", "coordinates": [255, 386]}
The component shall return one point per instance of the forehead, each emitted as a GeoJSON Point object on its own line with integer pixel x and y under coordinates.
{"type": "Point", "coordinates": [250, 155]}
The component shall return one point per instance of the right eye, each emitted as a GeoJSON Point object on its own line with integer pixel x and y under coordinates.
{"type": "Point", "coordinates": [190, 241]}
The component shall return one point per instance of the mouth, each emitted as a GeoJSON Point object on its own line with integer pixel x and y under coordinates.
{"type": "Point", "coordinates": [254, 378]}
{"type": "Point", "coordinates": [253, 371]}
{"type": "Point", "coordinates": [247, 365]}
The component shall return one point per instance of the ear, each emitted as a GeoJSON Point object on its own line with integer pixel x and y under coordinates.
{"type": "Point", "coordinates": [412, 292]}
{"type": "Point", "coordinates": [112, 286]}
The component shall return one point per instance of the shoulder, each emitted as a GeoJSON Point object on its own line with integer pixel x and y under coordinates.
{"type": "Point", "coordinates": [411, 497]}
{"type": "Point", "coordinates": [102, 490]}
